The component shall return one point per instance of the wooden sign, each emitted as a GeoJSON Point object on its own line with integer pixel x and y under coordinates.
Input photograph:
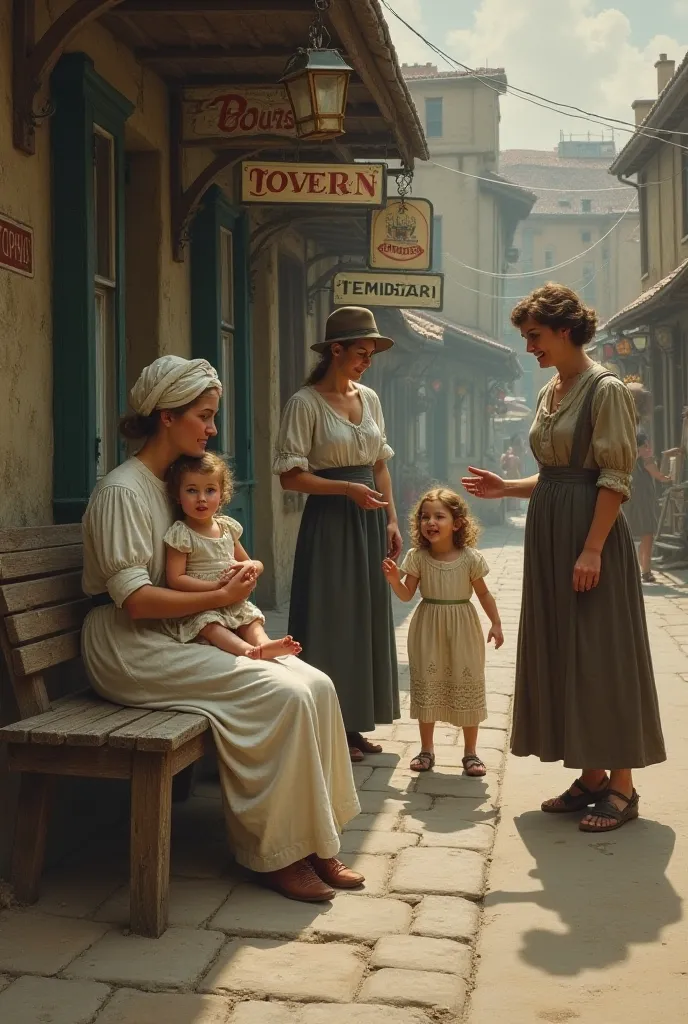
{"type": "Point", "coordinates": [401, 235]}
{"type": "Point", "coordinates": [16, 247]}
{"type": "Point", "coordinates": [236, 112]}
{"type": "Point", "coordinates": [384, 288]}
{"type": "Point", "coordinates": [321, 184]}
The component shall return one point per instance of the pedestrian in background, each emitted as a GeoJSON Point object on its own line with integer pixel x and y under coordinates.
{"type": "Point", "coordinates": [446, 645]}
{"type": "Point", "coordinates": [585, 690]}
{"type": "Point", "coordinates": [641, 508]}
{"type": "Point", "coordinates": [332, 446]}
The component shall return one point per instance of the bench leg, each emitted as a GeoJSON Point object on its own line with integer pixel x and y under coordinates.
{"type": "Point", "coordinates": [182, 785]}
{"type": "Point", "coordinates": [30, 836]}
{"type": "Point", "coordinates": [151, 820]}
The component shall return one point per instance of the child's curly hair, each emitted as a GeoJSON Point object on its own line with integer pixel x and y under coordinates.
{"type": "Point", "coordinates": [467, 534]}
{"type": "Point", "coordinates": [208, 464]}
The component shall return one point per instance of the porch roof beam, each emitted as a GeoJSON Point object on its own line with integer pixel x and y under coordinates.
{"type": "Point", "coordinates": [188, 54]}
{"type": "Point", "coordinates": [196, 7]}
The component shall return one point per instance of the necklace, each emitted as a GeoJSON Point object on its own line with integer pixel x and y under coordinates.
{"type": "Point", "coordinates": [559, 383]}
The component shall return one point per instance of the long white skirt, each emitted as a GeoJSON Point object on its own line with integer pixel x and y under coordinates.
{"type": "Point", "coordinates": [282, 751]}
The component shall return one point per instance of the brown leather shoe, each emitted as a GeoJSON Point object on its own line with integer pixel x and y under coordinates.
{"type": "Point", "coordinates": [299, 882]}
{"type": "Point", "coordinates": [335, 873]}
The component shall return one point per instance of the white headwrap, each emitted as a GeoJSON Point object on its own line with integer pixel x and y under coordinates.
{"type": "Point", "coordinates": [170, 382]}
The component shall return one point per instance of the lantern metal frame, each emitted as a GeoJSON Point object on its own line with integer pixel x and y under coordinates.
{"type": "Point", "coordinates": [312, 65]}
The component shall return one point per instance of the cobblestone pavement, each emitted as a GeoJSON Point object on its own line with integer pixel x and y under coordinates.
{"type": "Point", "coordinates": [401, 951]}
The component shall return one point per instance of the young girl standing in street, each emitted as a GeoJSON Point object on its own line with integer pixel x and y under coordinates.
{"type": "Point", "coordinates": [445, 644]}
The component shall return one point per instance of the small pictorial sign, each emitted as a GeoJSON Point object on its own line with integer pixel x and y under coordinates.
{"type": "Point", "coordinates": [401, 235]}
{"type": "Point", "coordinates": [386, 288]}
{"type": "Point", "coordinates": [314, 184]}
{"type": "Point", "coordinates": [16, 247]}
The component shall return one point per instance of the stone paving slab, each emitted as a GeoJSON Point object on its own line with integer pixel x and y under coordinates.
{"type": "Point", "coordinates": [382, 803]}
{"type": "Point", "coordinates": [413, 952]}
{"type": "Point", "coordinates": [440, 872]}
{"type": "Point", "coordinates": [42, 944]}
{"type": "Point", "coordinates": [32, 1000]}
{"type": "Point", "coordinates": [386, 780]}
{"type": "Point", "coordinates": [451, 781]}
{"type": "Point", "coordinates": [287, 970]}
{"type": "Point", "coordinates": [415, 988]}
{"type": "Point", "coordinates": [375, 869]}
{"type": "Point", "coordinates": [466, 835]}
{"type": "Point", "coordinates": [374, 822]}
{"type": "Point", "coordinates": [192, 901]}
{"type": "Point", "coordinates": [131, 1007]}
{"type": "Point", "coordinates": [443, 917]}
{"type": "Point", "coordinates": [448, 810]}
{"type": "Point", "coordinates": [5, 980]}
{"type": "Point", "coordinates": [77, 890]}
{"type": "Point", "coordinates": [176, 960]}
{"type": "Point", "coordinates": [377, 843]}
{"type": "Point", "coordinates": [328, 1013]}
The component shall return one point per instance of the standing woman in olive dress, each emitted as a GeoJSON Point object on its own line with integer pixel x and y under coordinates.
{"type": "Point", "coordinates": [332, 447]}
{"type": "Point", "coordinates": [585, 689]}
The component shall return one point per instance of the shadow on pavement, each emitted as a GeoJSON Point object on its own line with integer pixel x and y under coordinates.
{"type": "Point", "coordinates": [609, 891]}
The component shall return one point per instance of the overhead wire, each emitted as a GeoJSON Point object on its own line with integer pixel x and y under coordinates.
{"type": "Point", "coordinates": [542, 188]}
{"type": "Point", "coordinates": [542, 273]}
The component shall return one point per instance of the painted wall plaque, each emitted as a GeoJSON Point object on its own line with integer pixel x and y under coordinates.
{"type": "Point", "coordinates": [322, 184]}
{"type": "Point", "coordinates": [236, 112]}
{"type": "Point", "coordinates": [386, 288]}
{"type": "Point", "coordinates": [16, 247]}
{"type": "Point", "coordinates": [401, 235]}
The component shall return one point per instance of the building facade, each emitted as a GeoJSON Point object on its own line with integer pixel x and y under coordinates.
{"type": "Point", "coordinates": [583, 232]}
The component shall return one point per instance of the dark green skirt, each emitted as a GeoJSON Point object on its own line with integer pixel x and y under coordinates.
{"type": "Point", "coordinates": [585, 689]}
{"type": "Point", "coordinates": [341, 607]}
{"type": "Point", "coordinates": [641, 509]}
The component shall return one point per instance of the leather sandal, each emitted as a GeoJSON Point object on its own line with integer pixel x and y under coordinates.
{"type": "Point", "coordinates": [606, 809]}
{"type": "Point", "coordinates": [473, 761]}
{"type": "Point", "coordinates": [576, 801]}
{"type": "Point", "coordinates": [333, 872]}
{"type": "Point", "coordinates": [299, 882]}
{"type": "Point", "coordinates": [423, 762]}
{"type": "Point", "coordinates": [355, 754]}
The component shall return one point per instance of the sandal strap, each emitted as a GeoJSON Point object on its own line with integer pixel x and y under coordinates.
{"type": "Point", "coordinates": [567, 797]}
{"type": "Point", "coordinates": [425, 757]}
{"type": "Point", "coordinates": [472, 761]}
{"type": "Point", "coordinates": [606, 809]}
{"type": "Point", "coordinates": [622, 796]}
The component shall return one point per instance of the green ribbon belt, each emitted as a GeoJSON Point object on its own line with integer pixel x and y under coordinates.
{"type": "Point", "coordinates": [435, 600]}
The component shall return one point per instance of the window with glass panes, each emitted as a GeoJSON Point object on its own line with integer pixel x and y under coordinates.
{"type": "Point", "coordinates": [433, 117]}
{"type": "Point", "coordinates": [104, 290]}
{"type": "Point", "coordinates": [227, 354]}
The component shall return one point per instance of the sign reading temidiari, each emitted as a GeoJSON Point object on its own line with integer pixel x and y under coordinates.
{"type": "Point", "coordinates": [236, 112]}
{"type": "Point", "coordinates": [401, 235]}
{"type": "Point", "coordinates": [16, 247]}
{"type": "Point", "coordinates": [402, 290]}
{"type": "Point", "coordinates": [322, 184]}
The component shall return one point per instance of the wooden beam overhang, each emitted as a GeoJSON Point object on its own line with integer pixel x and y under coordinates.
{"type": "Point", "coordinates": [200, 7]}
{"type": "Point", "coordinates": [33, 59]}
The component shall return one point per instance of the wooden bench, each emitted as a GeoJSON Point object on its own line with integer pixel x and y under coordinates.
{"type": "Point", "coordinates": [42, 607]}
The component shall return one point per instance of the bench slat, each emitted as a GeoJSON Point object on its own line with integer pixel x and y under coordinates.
{"type": "Point", "coordinates": [46, 653]}
{"type": "Point", "coordinates": [32, 537]}
{"type": "Point", "coordinates": [174, 733]}
{"type": "Point", "coordinates": [46, 621]}
{"type": "Point", "coordinates": [20, 732]}
{"type": "Point", "coordinates": [21, 597]}
{"type": "Point", "coordinates": [95, 734]}
{"type": "Point", "coordinates": [56, 733]}
{"type": "Point", "coordinates": [16, 565]}
{"type": "Point", "coordinates": [129, 734]}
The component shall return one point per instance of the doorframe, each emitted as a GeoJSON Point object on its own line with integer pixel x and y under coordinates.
{"type": "Point", "coordinates": [214, 214]}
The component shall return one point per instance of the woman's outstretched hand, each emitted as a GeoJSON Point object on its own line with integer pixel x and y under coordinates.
{"type": "Point", "coordinates": [586, 571]}
{"type": "Point", "coordinates": [365, 497]}
{"type": "Point", "coordinates": [483, 484]}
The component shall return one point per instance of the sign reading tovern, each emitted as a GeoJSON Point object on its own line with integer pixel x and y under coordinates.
{"type": "Point", "coordinates": [236, 111]}
{"type": "Point", "coordinates": [324, 184]}
{"type": "Point", "coordinates": [402, 290]}
{"type": "Point", "coordinates": [401, 235]}
{"type": "Point", "coordinates": [16, 247]}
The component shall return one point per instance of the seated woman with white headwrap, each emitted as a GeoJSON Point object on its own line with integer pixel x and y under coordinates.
{"type": "Point", "coordinates": [282, 750]}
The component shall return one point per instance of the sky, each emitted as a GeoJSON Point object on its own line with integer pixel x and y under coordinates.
{"type": "Point", "coordinates": [595, 55]}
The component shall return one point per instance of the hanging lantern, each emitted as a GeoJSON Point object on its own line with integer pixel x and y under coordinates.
{"type": "Point", "coordinates": [317, 82]}
{"type": "Point", "coordinates": [623, 347]}
{"type": "Point", "coordinates": [640, 342]}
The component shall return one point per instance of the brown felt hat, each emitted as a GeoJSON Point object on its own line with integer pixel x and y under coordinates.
{"type": "Point", "coordinates": [352, 323]}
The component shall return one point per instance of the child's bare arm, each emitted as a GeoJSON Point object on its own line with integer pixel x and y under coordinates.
{"type": "Point", "coordinates": [241, 555]}
{"type": "Point", "coordinates": [404, 589]}
{"type": "Point", "coordinates": [490, 608]}
{"type": "Point", "coordinates": [176, 574]}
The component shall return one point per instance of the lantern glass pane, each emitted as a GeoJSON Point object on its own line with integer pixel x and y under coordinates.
{"type": "Point", "coordinates": [300, 96]}
{"type": "Point", "coordinates": [329, 90]}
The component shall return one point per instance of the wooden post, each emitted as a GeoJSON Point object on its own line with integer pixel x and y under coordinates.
{"type": "Point", "coordinates": [30, 835]}
{"type": "Point", "coordinates": [151, 820]}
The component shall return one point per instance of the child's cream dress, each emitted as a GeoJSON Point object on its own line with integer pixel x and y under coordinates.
{"type": "Point", "coordinates": [446, 646]}
{"type": "Point", "coordinates": [207, 558]}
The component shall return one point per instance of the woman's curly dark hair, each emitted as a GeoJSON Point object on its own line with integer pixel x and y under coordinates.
{"type": "Point", "coordinates": [467, 534]}
{"type": "Point", "coordinates": [208, 464]}
{"type": "Point", "coordinates": [558, 307]}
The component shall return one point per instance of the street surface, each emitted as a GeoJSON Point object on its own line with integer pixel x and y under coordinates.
{"type": "Point", "coordinates": [544, 925]}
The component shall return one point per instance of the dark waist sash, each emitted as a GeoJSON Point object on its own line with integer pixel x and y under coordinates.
{"type": "Point", "coordinates": [101, 600]}
{"type": "Point", "coordinates": [357, 474]}
{"type": "Point", "coordinates": [569, 476]}
{"type": "Point", "coordinates": [439, 600]}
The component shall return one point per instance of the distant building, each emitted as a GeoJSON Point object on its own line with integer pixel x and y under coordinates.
{"type": "Point", "coordinates": [575, 224]}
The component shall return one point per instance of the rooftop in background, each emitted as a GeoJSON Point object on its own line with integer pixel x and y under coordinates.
{"type": "Point", "coordinates": [429, 72]}
{"type": "Point", "coordinates": [554, 169]}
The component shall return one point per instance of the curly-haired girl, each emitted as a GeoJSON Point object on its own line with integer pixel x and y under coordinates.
{"type": "Point", "coordinates": [445, 644]}
{"type": "Point", "coordinates": [204, 553]}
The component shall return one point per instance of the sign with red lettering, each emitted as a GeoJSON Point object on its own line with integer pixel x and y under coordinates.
{"type": "Point", "coordinates": [401, 235]}
{"type": "Point", "coordinates": [233, 112]}
{"type": "Point", "coordinates": [321, 184]}
{"type": "Point", "coordinates": [16, 247]}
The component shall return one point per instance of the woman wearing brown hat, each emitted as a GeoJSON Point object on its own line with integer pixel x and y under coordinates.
{"type": "Point", "coordinates": [332, 446]}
